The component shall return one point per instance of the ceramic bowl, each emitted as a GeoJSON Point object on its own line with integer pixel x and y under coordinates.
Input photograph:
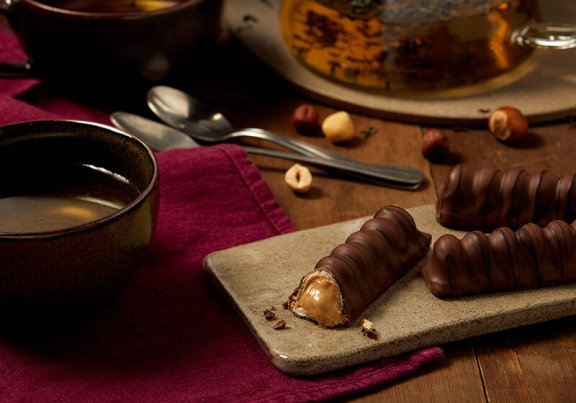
{"type": "Point", "coordinates": [106, 45]}
{"type": "Point", "coordinates": [78, 208]}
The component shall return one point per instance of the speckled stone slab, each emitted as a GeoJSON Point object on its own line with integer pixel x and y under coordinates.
{"type": "Point", "coordinates": [543, 88]}
{"type": "Point", "coordinates": [407, 316]}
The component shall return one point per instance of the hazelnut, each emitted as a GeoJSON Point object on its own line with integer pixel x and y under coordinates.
{"type": "Point", "coordinates": [305, 119]}
{"type": "Point", "coordinates": [508, 124]}
{"type": "Point", "coordinates": [299, 178]}
{"type": "Point", "coordinates": [339, 127]}
{"type": "Point", "coordinates": [435, 145]}
{"type": "Point", "coordinates": [368, 329]}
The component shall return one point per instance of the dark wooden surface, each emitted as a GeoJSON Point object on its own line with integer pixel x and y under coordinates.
{"type": "Point", "coordinates": [530, 364]}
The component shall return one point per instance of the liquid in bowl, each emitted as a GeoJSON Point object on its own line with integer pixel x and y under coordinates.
{"type": "Point", "coordinates": [60, 198]}
{"type": "Point", "coordinates": [111, 6]}
{"type": "Point", "coordinates": [406, 45]}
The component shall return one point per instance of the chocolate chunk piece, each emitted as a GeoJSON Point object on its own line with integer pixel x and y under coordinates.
{"type": "Point", "coordinates": [531, 257]}
{"type": "Point", "coordinates": [345, 283]}
{"type": "Point", "coordinates": [269, 314]}
{"type": "Point", "coordinates": [486, 199]}
{"type": "Point", "coordinates": [280, 325]}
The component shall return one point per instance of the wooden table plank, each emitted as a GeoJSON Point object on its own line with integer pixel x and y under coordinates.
{"type": "Point", "coordinates": [438, 384]}
{"type": "Point", "coordinates": [333, 198]}
{"type": "Point", "coordinates": [534, 363]}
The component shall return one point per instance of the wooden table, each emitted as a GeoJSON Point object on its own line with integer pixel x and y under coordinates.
{"type": "Point", "coordinates": [530, 364]}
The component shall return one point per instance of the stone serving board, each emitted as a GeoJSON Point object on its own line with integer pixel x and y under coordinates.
{"type": "Point", "coordinates": [261, 275]}
{"type": "Point", "coordinates": [543, 88]}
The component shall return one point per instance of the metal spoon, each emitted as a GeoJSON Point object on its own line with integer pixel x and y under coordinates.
{"type": "Point", "coordinates": [162, 137]}
{"type": "Point", "coordinates": [180, 110]}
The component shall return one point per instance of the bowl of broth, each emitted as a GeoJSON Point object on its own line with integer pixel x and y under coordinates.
{"type": "Point", "coordinates": [78, 209]}
{"type": "Point", "coordinates": [110, 44]}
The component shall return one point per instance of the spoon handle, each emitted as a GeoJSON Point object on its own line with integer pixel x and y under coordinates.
{"type": "Point", "coordinates": [376, 170]}
{"type": "Point", "coordinates": [387, 175]}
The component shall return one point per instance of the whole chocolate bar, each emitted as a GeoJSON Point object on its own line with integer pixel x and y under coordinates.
{"type": "Point", "coordinates": [486, 199]}
{"type": "Point", "coordinates": [531, 257]}
{"type": "Point", "coordinates": [345, 283]}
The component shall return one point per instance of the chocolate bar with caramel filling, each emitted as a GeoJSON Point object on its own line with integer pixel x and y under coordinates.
{"type": "Point", "coordinates": [486, 199]}
{"type": "Point", "coordinates": [345, 283]}
{"type": "Point", "coordinates": [531, 257]}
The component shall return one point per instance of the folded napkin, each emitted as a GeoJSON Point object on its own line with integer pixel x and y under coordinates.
{"type": "Point", "coordinates": [170, 335]}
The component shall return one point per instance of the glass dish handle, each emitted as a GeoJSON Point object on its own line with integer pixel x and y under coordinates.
{"type": "Point", "coordinates": [550, 36]}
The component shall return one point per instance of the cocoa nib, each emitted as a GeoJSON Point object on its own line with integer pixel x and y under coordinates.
{"type": "Point", "coordinates": [370, 333]}
{"type": "Point", "coordinates": [269, 314]}
{"type": "Point", "coordinates": [281, 324]}
{"type": "Point", "coordinates": [368, 330]}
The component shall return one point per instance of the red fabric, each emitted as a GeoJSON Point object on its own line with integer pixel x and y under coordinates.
{"type": "Point", "coordinates": [170, 334]}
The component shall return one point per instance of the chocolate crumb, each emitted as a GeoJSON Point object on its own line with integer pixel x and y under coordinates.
{"type": "Point", "coordinates": [368, 330]}
{"type": "Point", "coordinates": [369, 132]}
{"type": "Point", "coordinates": [269, 314]}
{"type": "Point", "coordinates": [281, 324]}
{"type": "Point", "coordinates": [285, 305]}
{"type": "Point", "coordinates": [370, 333]}
{"type": "Point", "coordinates": [248, 18]}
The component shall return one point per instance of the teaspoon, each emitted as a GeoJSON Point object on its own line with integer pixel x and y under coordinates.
{"type": "Point", "coordinates": [180, 110]}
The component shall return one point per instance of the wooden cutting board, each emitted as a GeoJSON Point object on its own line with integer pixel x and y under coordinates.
{"type": "Point", "coordinates": [263, 274]}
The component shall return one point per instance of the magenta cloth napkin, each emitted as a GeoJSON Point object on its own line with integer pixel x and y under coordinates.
{"type": "Point", "coordinates": [170, 335]}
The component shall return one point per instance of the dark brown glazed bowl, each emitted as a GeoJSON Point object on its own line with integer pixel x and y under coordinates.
{"type": "Point", "coordinates": [50, 258]}
{"type": "Point", "coordinates": [96, 49]}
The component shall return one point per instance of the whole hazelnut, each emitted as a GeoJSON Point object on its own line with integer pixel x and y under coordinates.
{"type": "Point", "coordinates": [508, 124]}
{"type": "Point", "coordinates": [305, 119]}
{"type": "Point", "coordinates": [339, 127]}
{"type": "Point", "coordinates": [435, 145]}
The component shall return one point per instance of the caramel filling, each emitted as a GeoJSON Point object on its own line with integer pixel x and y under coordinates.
{"type": "Point", "coordinates": [320, 300]}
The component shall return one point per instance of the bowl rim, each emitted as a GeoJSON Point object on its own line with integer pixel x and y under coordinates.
{"type": "Point", "coordinates": [113, 16]}
{"type": "Point", "coordinates": [144, 194]}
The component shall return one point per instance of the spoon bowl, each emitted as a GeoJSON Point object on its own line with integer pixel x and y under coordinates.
{"type": "Point", "coordinates": [200, 121]}
{"type": "Point", "coordinates": [180, 110]}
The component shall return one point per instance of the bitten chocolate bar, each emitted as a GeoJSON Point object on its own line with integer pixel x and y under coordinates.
{"type": "Point", "coordinates": [531, 257]}
{"type": "Point", "coordinates": [345, 283]}
{"type": "Point", "coordinates": [486, 199]}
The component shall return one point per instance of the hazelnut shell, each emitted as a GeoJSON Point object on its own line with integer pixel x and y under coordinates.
{"type": "Point", "coordinates": [508, 124]}
{"type": "Point", "coordinates": [305, 119]}
{"type": "Point", "coordinates": [435, 145]}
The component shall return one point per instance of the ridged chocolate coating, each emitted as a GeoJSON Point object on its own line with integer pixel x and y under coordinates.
{"type": "Point", "coordinates": [370, 260]}
{"type": "Point", "coordinates": [486, 199]}
{"type": "Point", "coordinates": [531, 257]}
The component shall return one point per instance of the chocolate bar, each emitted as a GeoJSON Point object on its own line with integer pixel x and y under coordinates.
{"type": "Point", "coordinates": [345, 283]}
{"type": "Point", "coordinates": [486, 199]}
{"type": "Point", "coordinates": [531, 257]}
